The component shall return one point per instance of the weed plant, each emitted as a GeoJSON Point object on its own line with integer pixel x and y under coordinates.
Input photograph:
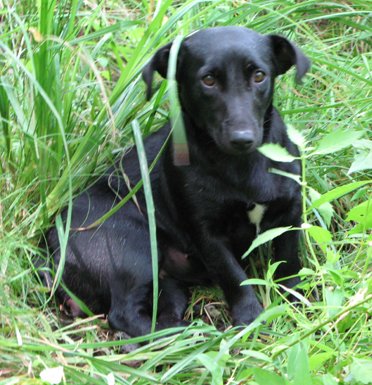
{"type": "Point", "coordinates": [71, 95]}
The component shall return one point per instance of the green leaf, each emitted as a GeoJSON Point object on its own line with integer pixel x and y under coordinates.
{"type": "Point", "coordinates": [363, 144]}
{"type": "Point", "coordinates": [265, 237]}
{"type": "Point", "coordinates": [103, 61]}
{"type": "Point", "coordinates": [295, 177]}
{"type": "Point", "coordinates": [334, 301]}
{"type": "Point", "coordinates": [325, 210]}
{"type": "Point", "coordinates": [337, 140]}
{"type": "Point", "coordinates": [337, 193]}
{"type": "Point", "coordinates": [272, 313]}
{"type": "Point", "coordinates": [359, 194]}
{"type": "Point", "coordinates": [298, 364]}
{"type": "Point", "coordinates": [272, 268]}
{"type": "Point", "coordinates": [225, 353]}
{"type": "Point", "coordinates": [333, 257]}
{"type": "Point", "coordinates": [321, 236]}
{"type": "Point", "coordinates": [295, 136]}
{"type": "Point", "coordinates": [264, 377]}
{"type": "Point", "coordinates": [276, 152]}
{"type": "Point", "coordinates": [213, 367]}
{"type": "Point", "coordinates": [245, 374]}
{"type": "Point", "coordinates": [338, 278]}
{"type": "Point", "coordinates": [318, 359]}
{"type": "Point", "coordinates": [256, 281]}
{"type": "Point", "coordinates": [77, 300]}
{"type": "Point", "coordinates": [142, 159]}
{"type": "Point", "coordinates": [361, 162]}
{"type": "Point", "coordinates": [328, 379]}
{"type": "Point", "coordinates": [361, 213]}
{"type": "Point", "coordinates": [258, 355]}
{"type": "Point", "coordinates": [361, 369]}
{"type": "Point", "coordinates": [306, 272]}
{"type": "Point", "coordinates": [358, 229]}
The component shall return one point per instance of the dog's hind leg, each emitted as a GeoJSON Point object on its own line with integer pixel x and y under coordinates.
{"type": "Point", "coordinates": [172, 303]}
{"type": "Point", "coordinates": [131, 287]}
{"type": "Point", "coordinates": [130, 310]}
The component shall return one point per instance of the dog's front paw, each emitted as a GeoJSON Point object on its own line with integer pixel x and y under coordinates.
{"type": "Point", "coordinates": [170, 320]}
{"type": "Point", "coordinates": [245, 314]}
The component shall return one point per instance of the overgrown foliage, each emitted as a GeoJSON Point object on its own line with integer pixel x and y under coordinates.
{"type": "Point", "coordinates": [70, 90]}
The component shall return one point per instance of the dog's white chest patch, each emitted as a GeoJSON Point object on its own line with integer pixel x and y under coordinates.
{"type": "Point", "coordinates": [255, 215]}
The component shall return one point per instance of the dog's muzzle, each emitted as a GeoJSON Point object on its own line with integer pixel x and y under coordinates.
{"type": "Point", "coordinates": [242, 141]}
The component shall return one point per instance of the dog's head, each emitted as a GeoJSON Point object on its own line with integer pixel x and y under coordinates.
{"type": "Point", "coordinates": [226, 79]}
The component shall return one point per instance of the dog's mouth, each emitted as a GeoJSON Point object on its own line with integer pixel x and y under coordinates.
{"type": "Point", "coordinates": [238, 149]}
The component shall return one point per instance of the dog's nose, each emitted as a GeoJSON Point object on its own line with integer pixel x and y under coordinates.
{"type": "Point", "coordinates": [241, 140]}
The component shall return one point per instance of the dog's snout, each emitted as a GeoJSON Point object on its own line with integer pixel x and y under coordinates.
{"type": "Point", "coordinates": [241, 140]}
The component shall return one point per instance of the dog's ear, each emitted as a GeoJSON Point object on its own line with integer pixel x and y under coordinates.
{"type": "Point", "coordinates": [159, 63]}
{"type": "Point", "coordinates": [287, 55]}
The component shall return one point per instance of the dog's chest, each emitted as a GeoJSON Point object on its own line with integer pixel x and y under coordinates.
{"type": "Point", "coordinates": [256, 214]}
{"type": "Point", "coordinates": [257, 185]}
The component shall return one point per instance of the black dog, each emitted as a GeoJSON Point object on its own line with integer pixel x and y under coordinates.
{"type": "Point", "coordinates": [207, 213]}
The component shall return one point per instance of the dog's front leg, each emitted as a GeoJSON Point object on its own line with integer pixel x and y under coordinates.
{"type": "Point", "coordinates": [286, 245]}
{"type": "Point", "coordinates": [286, 250]}
{"type": "Point", "coordinates": [226, 271]}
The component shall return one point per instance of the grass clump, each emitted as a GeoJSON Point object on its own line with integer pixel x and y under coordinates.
{"type": "Point", "coordinates": [70, 90]}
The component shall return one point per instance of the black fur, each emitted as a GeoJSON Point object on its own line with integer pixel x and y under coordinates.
{"type": "Point", "coordinates": [201, 210]}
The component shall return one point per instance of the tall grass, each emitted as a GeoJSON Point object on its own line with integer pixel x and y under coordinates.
{"type": "Point", "coordinates": [70, 90]}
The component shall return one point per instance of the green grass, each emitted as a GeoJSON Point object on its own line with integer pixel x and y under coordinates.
{"type": "Point", "coordinates": [70, 93]}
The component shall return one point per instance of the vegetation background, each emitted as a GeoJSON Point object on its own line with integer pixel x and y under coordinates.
{"type": "Point", "coordinates": [70, 94]}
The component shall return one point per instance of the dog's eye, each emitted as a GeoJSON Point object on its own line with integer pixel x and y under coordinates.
{"type": "Point", "coordinates": [209, 80]}
{"type": "Point", "coordinates": [259, 76]}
